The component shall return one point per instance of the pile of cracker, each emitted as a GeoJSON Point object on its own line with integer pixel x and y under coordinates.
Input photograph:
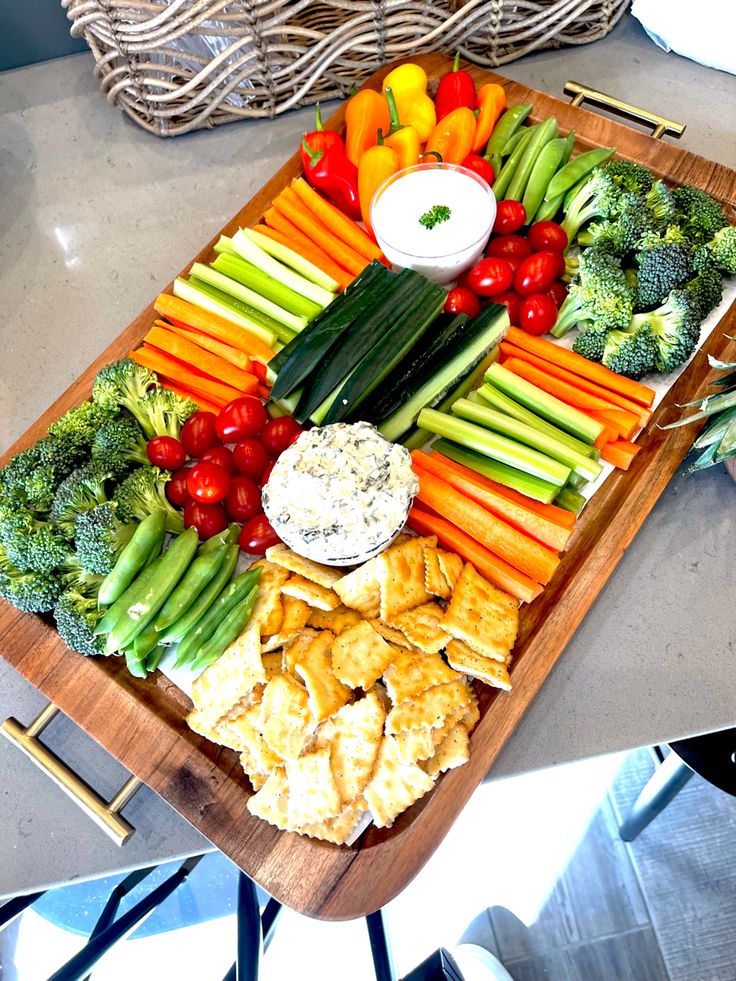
{"type": "Point", "coordinates": [338, 697]}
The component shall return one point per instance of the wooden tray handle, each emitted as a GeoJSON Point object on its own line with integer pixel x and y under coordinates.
{"type": "Point", "coordinates": [103, 813]}
{"type": "Point", "coordinates": [661, 125]}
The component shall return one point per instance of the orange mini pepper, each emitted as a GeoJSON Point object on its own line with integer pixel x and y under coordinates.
{"type": "Point", "coordinates": [377, 164]}
{"type": "Point", "coordinates": [491, 101]}
{"type": "Point", "coordinates": [453, 136]}
{"type": "Point", "coordinates": [365, 113]}
{"type": "Point", "coordinates": [403, 139]}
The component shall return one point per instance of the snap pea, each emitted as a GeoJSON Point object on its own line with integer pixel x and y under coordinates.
{"type": "Point", "coordinates": [573, 191]}
{"type": "Point", "coordinates": [134, 664]}
{"type": "Point", "coordinates": [230, 597]}
{"type": "Point", "coordinates": [506, 126]}
{"type": "Point", "coordinates": [547, 131]}
{"type": "Point", "coordinates": [200, 572]}
{"type": "Point", "coordinates": [576, 169]}
{"type": "Point", "coordinates": [117, 610]}
{"type": "Point", "coordinates": [153, 659]}
{"type": "Point", "coordinates": [548, 209]}
{"type": "Point", "coordinates": [150, 591]}
{"type": "Point", "coordinates": [177, 631]}
{"type": "Point", "coordinates": [512, 143]}
{"type": "Point", "coordinates": [569, 146]}
{"type": "Point", "coordinates": [496, 161]}
{"type": "Point", "coordinates": [226, 537]}
{"type": "Point", "coordinates": [145, 642]}
{"type": "Point", "coordinates": [147, 540]}
{"type": "Point", "coordinates": [503, 178]}
{"type": "Point", "coordinates": [544, 169]}
{"type": "Point", "coordinates": [227, 631]}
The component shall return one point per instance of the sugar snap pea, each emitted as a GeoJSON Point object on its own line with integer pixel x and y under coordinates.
{"type": "Point", "coordinates": [227, 631]}
{"type": "Point", "coordinates": [506, 126]}
{"type": "Point", "coordinates": [576, 169]}
{"type": "Point", "coordinates": [118, 608]}
{"type": "Point", "coordinates": [573, 191]}
{"type": "Point", "coordinates": [547, 131]}
{"type": "Point", "coordinates": [178, 630]}
{"type": "Point", "coordinates": [512, 143]}
{"type": "Point", "coordinates": [145, 642]}
{"type": "Point", "coordinates": [503, 178]}
{"type": "Point", "coordinates": [200, 572]}
{"type": "Point", "coordinates": [548, 209]}
{"type": "Point", "coordinates": [134, 664]}
{"type": "Point", "coordinates": [153, 658]}
{"type": "Point", "coordinates": [147, 540]}
{"type": "Point", "coordinates": [544, 169]}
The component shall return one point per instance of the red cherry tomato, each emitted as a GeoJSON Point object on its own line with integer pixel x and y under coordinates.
{"type": "Point", "coordinates": [250, 458]}
{"type": "Point", "coordinates": [199, 433]}
{"type": "Point", "coordinates": [512, 302]}
{"type": "Point", "coordinates": [208, 483]}
{"type": "Point", "coordinates": [166, 452]}
{"type": "Point", "coordinates": [509, 247]}
{"type": "Point", "coordinates": [221, 456]}
{"type": "Point", "coordinates": [267, 473]}
{"type": "Point", "coordinates": [243, 499]}
{"type": "Point", "coordinates": [547, 236]}
{"type": "Point", "coordinates": [514, 262]}
{"type": "Point", "coordinates": [277, 434]}
{"type": "Point", "coordinates": [462, 300]}
{"type": "Point", "coordinates": [208, 519]}
{"type": "Point", "coordinates": [536, 273]}
{"type": "Point", "coordinates": [489, 277]}
{"type": "Point", "coordinates": [480, 166]}
{"type": "Point", "coordinates": [257, 535]}
{"type": "Point", "coordinates": [240, 418]}
{"type": "Point", "coordinates": [558, 292]}
{"type": "Point", "coordinates": [176, 489]}
{"type": "Point", "coordinates": [510, 216]}
{"type": "Point", "coordinates": [538, 314]}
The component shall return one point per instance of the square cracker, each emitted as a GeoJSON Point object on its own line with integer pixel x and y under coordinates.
{"type": "Point", "coordinates": [313, 795]}
{"type": "Point", "coordinates": [338, 620]}
{"type": "Point", "coordinates": [326, 694]}
{"type": "Point", "coordinates": [296, 615]}
{"type": "Point", "coordinates": [394, 785]}
{"type": "Point", "coordinates": [486, 669]}
{"type": "Point", "coordinates": [354, 735]}
{"type": "Point", "coordinates": [295, 649]}
{"type": "Point", "coordinates": [454, 750]}
{"type": "Point", "coordinates": [337, 829]}
{"type": "Point", "coordinates": [428, 709]}
{"type": "Point", "coordinates": [415, 745]}
{"type": "Point", "coordinates": [391, 634]}
{"type": "Point", "coordinates": [311, 592]}
{"type": "Point", "coordinates": [409, 674]}
{"type": "Point", "coordinates": [287, 723]}
{"type": "Point", "coordinates": [270, 803]}
{"type": "Point", "coordinates": [360, 590]}
{"type": "Point", "coordinates": [485, 617]}
{"type": "Point", "coordinates": [257, 779]}
{"type": "Point", "coordinates": [247, 729]}
{"type": "Point", "coordinates": [323, 575]}
{"type": "Point", "coordinates": [434, 579]}
{"type": "Point", "coordinates": [400, 573]}
{"type": "Point", "coordinates": [360, 656]}
{"type": "Point", "coordinates": [451, 565]}
{"type": "Point", "coordinates": [237, 672]}
{"type": "Point", "coordinates": [421, 627]}
{"type": "Point", "coordinates": [269, 608]}
{"type": "Point", "coordinates": [203, 726]}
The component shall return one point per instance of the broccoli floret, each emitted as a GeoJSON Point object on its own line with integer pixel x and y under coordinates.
{"type": "Point", "coordinates": [660, 202]}
{"type": "Point", "coordinates": [142, 493]}
{"type": "Point", "coordinates": [631, 352]}
{"type": "Point", "coordinates": [74, 576]}
{"type": "Point", "coordinates": [697, 213]}
{"type": "Point", "coordinates": [81, 491]}
{"type": "Point", "coordinates": [123, 384]}
{"type": "Point", "coordinates": [76, 617]}
{"type": "Point", "coordinates": [661, 269]}
{"type": "Point", "coordinates": [31, 592]}
{"type": "Point", "coordinates": [100, 537]}
{"type": "Point", "coordinates": [629, 175]}
{"type": "Point", "coordinates": [30, 481]}
{"type": "Point", "coordinates": [590, 342]}
{"type": "Point", "coordinates": [597, 198]}
{"type": "Point", "coordinates": [670, 235]}
{"type": "Point", "coordinates": [31, 543]}
{"type": "Point", "coordinates": [676, 328]}
{"type": "Point", "coordinates": [706, 289]}
{"type": "Point", "coordinates": [721, 250]}
{"type": "Point", "coordinates": [165, 412]}
{"type": "Point", "coordinates": [119, 444]}
{"type": "Point", "coordinates": [606, 236]}
{"type": "Point", "coordinates": [600, 295]}
{"type": "Point", "coordinates": [634, 221]}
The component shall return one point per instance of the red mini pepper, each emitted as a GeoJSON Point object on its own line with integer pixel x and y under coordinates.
{"type": "Point", "coordinates": [456, 89]}
{"type": "Point", "coordinates": [328, 169]}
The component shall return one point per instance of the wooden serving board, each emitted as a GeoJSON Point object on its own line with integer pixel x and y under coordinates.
{"type": "Point", "coordinates": [142, 722]}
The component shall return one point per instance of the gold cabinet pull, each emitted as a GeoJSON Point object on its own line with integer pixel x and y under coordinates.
{"type": "Point", "coordinates": [104, 813]}
{"type": "Point", "coordinates": [661, 125]}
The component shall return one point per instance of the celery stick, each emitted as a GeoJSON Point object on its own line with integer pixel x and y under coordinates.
{"type": "Point", "coordinates": [497, 447]}
{"type": "Point", "coordinates": [224, 246]}
{"type": "Point", "coordinates": [240, 292]}
{"type": "Point", "coordinates": [228, 302]}
{"type": "Point", "coordinates": [576, 481]}
{"type": "Point", "coordinates": [191, 292]}
{"type": "Point", "coordinates": [293, 259]}
{"type": "Point", "coordinates": [570, 500]}
{"type": "Point", "coordinates": [257, 255]}
{"type": "Point", "coordinates": [263, 283]}
{"type": "Point", "coordinates": [524, 483]}
{"type": "Point", "coordinates": [544, 404]}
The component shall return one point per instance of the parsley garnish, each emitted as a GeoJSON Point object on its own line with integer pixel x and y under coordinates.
{"type": "Point", "coordinates": [436, 214]}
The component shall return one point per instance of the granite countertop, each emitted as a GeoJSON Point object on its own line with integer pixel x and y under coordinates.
{"type": "Point", "coordinates": [95, 215]}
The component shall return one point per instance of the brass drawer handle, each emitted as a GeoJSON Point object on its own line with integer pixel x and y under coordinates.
{"type": "Point", "coordinates": [104, 813]}
{"type": "Point", "coordinates": [660, 124]}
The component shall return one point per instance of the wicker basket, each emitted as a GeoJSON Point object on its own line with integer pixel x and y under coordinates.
{"type": "Point", "coordinates": [179, 65]}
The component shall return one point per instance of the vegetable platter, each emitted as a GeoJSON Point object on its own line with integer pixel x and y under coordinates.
{"type": "Point", "coordinates": [142, 721]}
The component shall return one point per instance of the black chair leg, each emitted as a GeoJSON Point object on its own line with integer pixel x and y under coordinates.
{"type": "Point", "coordinates": [382, 960]}
{"type": "Point", "coordinates": [14, 907]}
{"type": "Point", "coordinates": [663, 786]}
{"type": "Point", "coordinates": [270, 918]}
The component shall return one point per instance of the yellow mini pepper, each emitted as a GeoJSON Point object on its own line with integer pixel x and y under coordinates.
{"type": "Point", "coordinates": [409, 85]}
{"type": "Point", "coordinates": [403, 139]}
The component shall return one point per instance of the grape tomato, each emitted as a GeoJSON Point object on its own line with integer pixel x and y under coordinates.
{"type": "Point", "coordinates": [461, 299]}
{"type": "Point", "coordinates": [165, 452]}
{"type": "Point", "coordinates": [199, 433]}
{"type": "Point", "coordinates": [490, 276]}
{"type": "Point", "coordinates": [510, 216]}
{"type": "Point", "coordinates": [279, 433]}
{"type": "Point", "coordinates": [241, 418]}
{"type": "Point", "coordinates": [250, 458]}
{"type": "Point", "coordinates": [512, 302]}
{"type": "Point", "coordinates": [208, 519]}
{"type": "Point", "coordinates": [536, 273]}
{"type": "Point", "coordinates": [558, 292]}
{"type": "Point", "coordinates": [176, 490]}
{"type": "Point", "coordinates": [208, 483]}
{"type": "Point", "coordinates": [243, 500]}
{"type": "Point", "coordinates": [221, 456]}
{"type": "Point", "coordinates": [538, 314]}
{"type": "Point", "coordinates": [547, 236]}
{"type": "Point", "coordinates": [257, 535]}
{"type": "Point", "coordinates": [509, 247]}
{"type": "Point", "coordinates": [267, 472]}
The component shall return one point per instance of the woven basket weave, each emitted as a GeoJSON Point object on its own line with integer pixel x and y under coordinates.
{"type": "Point", "coordinates": [179, 65]}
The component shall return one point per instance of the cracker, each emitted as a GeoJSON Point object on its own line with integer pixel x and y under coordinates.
{"type": "Point", "coordinates": [421, 627]}
{"type": "Point", "coordinates": [313, 795]}
{"type": "Point", "coordinates": [360, 590]}
{"type": "Point", "coordinates": [269, 608]}
{"type": "Point", "coordinates": [270, 803]}
{"type": "Point", "coordinates": [201, 724]}
{"type": "Point", "coordinates": [338, 620]}
{"type": "Point", "coordinates": [323, 575]}
{"type": "Point", "coordinates": [430, 708]}
{"type": "Point", "coordinates": [360, 656]}
{"type": "Point", "coordinates": [394, 785]}
{"type": "Point", "coordinates": [326, 693]}
{"type": "Point", "coordinates": [337, 829]}
{"type": "Point", "coordinates": [238, 671]}
{"type": "Point", "coordinates": [296, 615]}
{"type": "Point", "coordinates": [256, 778]}
{"type": "Point", "coordinates": [400, 574]}
{"type": "Point", "coordinates": [390, 633]}
{"type": "Point", "coordinates": [311, 592]}
{"type": "Point", "coordinates": [451, 566]}
{"type": "Point", "coordinates": [471, 715]}
{"type": "Point", "coordinates": [412, 673]}
{"type": "Point", "coordinates": [486, 669]}
{"type": "Point", "coordinates": [454, 750]}
{"type": "Point", "coordinates": [414, 745]}
{"type": "Point", "coordinates": [434, 579]}
{"type": "Point", "coordinates": [287, 722]}
{"type": "Point", "coordinates": [354, 735]}
{"type": "Point", "coordinates": [485, 617]}
{"type": "Point", "coordinates": [271, 664]}
{"type": "Point", "coordinates": [247, 729]}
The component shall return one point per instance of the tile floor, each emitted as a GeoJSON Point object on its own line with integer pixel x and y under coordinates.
{"type": "Point", "coordinates": [533, 870]}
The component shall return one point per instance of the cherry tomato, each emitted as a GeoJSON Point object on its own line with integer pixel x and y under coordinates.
{"type": "Point", "coordinates": [250, 458]}
{"type": "Point", "coordinates": [512, 302]}
{"type": "Point", "coordinates": [510, 216]}
{"type": "Point", "coordinates": [559, 260]}
{"type": "Point", "coordinates": [267, 473]}
{"type": "Point", "coordinates": [538, 313]}
{"type": "Point", "coordinates": [166, 452]}
{"type": "Point", "coordinates": [208, 519]}
{"type": "Point", "coordinates": [480, 166]}
{"type": "Point", "coordinates": [462, 300]}
{"type": "Point", "coordinates": [514, 262]}
{"type": "Point", "coordinates": [279, 433]}
{"type": "Point", "coordinates": [221, 456]}
{"type": "Point", "coordinates": [509, 247]}
{"type": "Point", "coordinates": [536, 273]}
{"type": "Point", "coordinates": [558, 292]}
{"type": "Point", "coordinates": [199, 433]}
{"type": "Point", "coordinates": [547, 236]}
{"type": "Point", "coordinates": [176, 489]}
{"type": "Point", "coordinates": [489, 277]}
{"type": "Point", "coordinates": [208, 483]}
{"type": "Point", "coordinates": [240, 418]}
{"type": "Point", "coordinates": [243, 499]}
{"type": "Point", "coordinates": [257, 535]}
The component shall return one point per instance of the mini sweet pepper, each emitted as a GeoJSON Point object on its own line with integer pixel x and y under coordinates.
{"type": "Point", "coordinates": [456, 89]}
{"type": "Point", "coordinates": [452, 137]}
{"type": "Point", "coordinates": [403, 139]}
{"type": "Point", "coordinates": [408, 83]}
{"type": "Point", "coordinates": [365, 113]}
{"type": "Point", "coordinates": [327, 168]}
{"type": "Point", "coordinates": [491, 101]}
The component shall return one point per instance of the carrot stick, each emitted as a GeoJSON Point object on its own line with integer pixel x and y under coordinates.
{"type": "Point", "coordinates": [555, 386]}
{"type": "Point", "coordinates": [517, 549]}
{"type": "Point", "coordinates": [620, 454]}
{"type": "Point", "coordinates": [337, 222]}
{"type": "Point", "coordinates": [290, 205]}
{"type": "Point", "coordinates": [517, 515]}
{"type": "Point", "coordinates": [608, 435]}
{"type": "Point", "coordinates": [190, 353]}
{"type": "Point", "coordinates": [203, 404]}
{"type": "Point", "coordinates": [179, 373]}
{"type": "Point", "coordinates": [620, 419]}
{"type": "Point", "coordinates": [512, 351]}
{"type": "Point", "coordinates": [185, 314]}
{"type": "Point", "coordinates": [281, 230]}
{"type": "Point", "coordinates": [488, 564]}
{"type": "Point", "coordinates": [238, 358]}
{"type": "Point", "coordinates": [581, 366]}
